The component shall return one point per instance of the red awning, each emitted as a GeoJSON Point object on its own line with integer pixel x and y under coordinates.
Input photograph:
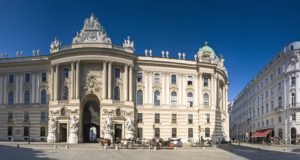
{"type": "Point", "coordinates": [263, 133]}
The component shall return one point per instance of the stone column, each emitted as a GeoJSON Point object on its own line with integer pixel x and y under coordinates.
{"type": "Point", "coordinates": [52, 82]}
{"type": "Point", "coordinates": [72, 89]}
{"type": "Point", "coordinates": [130, 83]}
{"type": "Point", "coordinates": [146, 81]}
{"type": "Point", "coordinates": [77, 79]}
{"type": "Point", "coordinates": [1, 90]}
{"type": "Point", "coordinates": [150, 89]}
{"type": "Point", "coordinates": [109, 80]}
{"type": "Point", "coordinates": [125, 83]}
{"type": "Point", "coordinates": [56, 83]}
{"type": "Point", "coordinates": [37, 88]}
{"type": "Point", "coordinates": [33, 86]}
{"type": "Point", "coordinates": [104, 79]}
{"type": "Point", "coordinates": [197, 88]}
{"type": "Point", "coordinates": [163, 88]}
{"type": "Point", "coordinates": [167, 92]}
{"type": "Point", "coordinates": [17, 93]}
{"type": "Point", "coordinates": [5, 79]}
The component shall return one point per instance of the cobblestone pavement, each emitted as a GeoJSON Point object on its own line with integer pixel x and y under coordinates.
{"type": "Point", "coordinates": [87, 152]}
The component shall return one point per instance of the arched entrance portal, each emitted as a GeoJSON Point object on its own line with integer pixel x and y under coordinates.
{"type": "Point", "coordinates": [91, 118]}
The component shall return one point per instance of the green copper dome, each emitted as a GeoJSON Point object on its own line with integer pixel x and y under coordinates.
{"type": "Point", "coordinates": [206, 51]}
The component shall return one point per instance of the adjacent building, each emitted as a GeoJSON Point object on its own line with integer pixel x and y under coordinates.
{"type": "Point", "coordinates": [81, 92]}
{"type": "Point", "coordinates": [268, 108]}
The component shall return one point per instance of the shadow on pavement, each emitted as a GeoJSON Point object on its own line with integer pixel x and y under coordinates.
{"type": "Point", "coordinates": [258, 154]}
{"type": "Point", "coordinates": [14, 153]}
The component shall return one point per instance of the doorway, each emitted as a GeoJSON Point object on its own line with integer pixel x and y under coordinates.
{"type": "Point", "coordinates": [63, 132]}
{"type": "Point", "coordinates": [118, 132]}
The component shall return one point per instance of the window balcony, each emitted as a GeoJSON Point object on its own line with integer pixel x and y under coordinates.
{"type": "Point", "coordinates": [279, 109]}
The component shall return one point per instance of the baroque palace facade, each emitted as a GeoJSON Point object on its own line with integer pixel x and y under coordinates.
{"type": "Point", "coordinates": [269, 106]}
{"type": "Point", "coordinates": [94, 89]}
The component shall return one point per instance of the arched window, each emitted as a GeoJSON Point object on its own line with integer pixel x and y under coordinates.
{"type": "Point", "coordinates": [173, 98]}
{"type": "Point", "coordinates": [42, 132]}
{"type": "Point", "coordinates": [156, 98]}
{"type": "Point", "coordinates": [65, 93]}
{"type": "Point", "coordinates": [117, 93]}
{"type": "Point", "coordinates": [10, 99]}
{"type": "Point", "coordinates": [139, 97]}
{"type": "Point", "coordinates": [293, 99]}
{"type": "Point", "coordinates": [44, 97]}
{"type": "Point", "coordinates": [26, 97]}
{"type": "Point", "coordinates": [279, 102]}
{"type": "Point", "coordinates": [206, 99]}
{"type": "Point", "coordinates": [190, 99]}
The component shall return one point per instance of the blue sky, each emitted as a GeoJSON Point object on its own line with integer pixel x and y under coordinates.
{"type": "Point", "coordinates": [247, 33]}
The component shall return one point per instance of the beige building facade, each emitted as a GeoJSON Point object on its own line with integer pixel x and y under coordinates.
{"type": "Point", "coordinates": [94, 89]}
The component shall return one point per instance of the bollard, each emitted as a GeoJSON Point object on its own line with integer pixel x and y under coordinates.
{"type": "Point", "coordinates": [175, 148]}
{"type": "Point", "coordinates": [55, 147]}
{"type": "Point", "coordinates": [18, 145]}
{"type": "Point", "coordinates": [284, 149]}
{"type": "Point", "coordinates": [117, 147]}
{"type": "Point", "coordinates": [67, 146]}
{"type": "Point", "coordinates": [154, 148]}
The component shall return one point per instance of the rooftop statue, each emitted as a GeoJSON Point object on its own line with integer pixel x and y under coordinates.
{"type": "Point", "coordinates": [128, 43]}
{"type": "Point", "coordinates": [55, 46]}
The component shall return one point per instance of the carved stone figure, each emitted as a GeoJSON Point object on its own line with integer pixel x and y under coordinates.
{"type": "Point", "coordinates": [128, 43]}
{"type": "Point", "coordinates": [92, 32]}
{"type": "Point", "coordinates": [73, 124]}
{"type": "Point", "coordinates": [107, 124]}
{"type": "Point", "coordinates": [129, 124]}
{"type": "Point", "coordinates": [55, 46]}
{"type": "Point", "coordinates": [52, 124]}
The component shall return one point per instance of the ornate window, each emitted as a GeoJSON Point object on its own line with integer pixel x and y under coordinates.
{"type": "Point", "coordinates": [66, 73]}
{"type": "Point", "coordinates": [65, 95]}
{"type": "Point", "coordinates": [156, 98]}
{"type": "Point", "coordinates": [190, 99]}
{"type": "Point", "coordinates": [174, 118]}
{"type": "Point", "coordinates": [205, 81]}
{"type": "Point", "coordinates": [173, 98]}
{"type": "Point", "coordinates": [117, 93]}
{"type": "Point", "coordinates": [190, 119]}
{"type": "Point", "coordinates": [9, 116]}
{"type": "Point", "coordinates": [207, 132]}
{"type": "Point", "coordinates": [117, 73]}
{"type": "Point", "coordinates": [156, 78]}
{"type": "Point", "coordinates": [44, 77]}
{"type": "Point", "coordinates": [43, 117]}
{"type": "Point", "coordinates": [293, 99]}
{"type": "Point", "coordinates": [207, 117]}
{"type": "Point", "coordinates": [190, 80]}
{"type": "Point", "coordinates": [174, 132]}
{"type": "Point", "coordinates": [279, 102]}
{"type": "Point", "coordinates": [157, 132]}
{"type": "Point", "coordinates": [10, 98]}
{"type": "Point", "coordinates": [139, 77]}
{"type": "Point", "coordinates": [26, 131]}
{"type": "Point", "coordinates": [26, 116]}
{"type": "Point", "coordinates": [139, 97]}
{"type": "Point", "coordinates": [140, 118]}
{"type": "Point", "coordinates": [42, 132]}
{"type": "Point", "coordinates": [190, 132]}
{"type": "Point", "coordinates": [11, 79]}
{"type": "Point", "coordinates": [173, 79]}
{"type": "Point", "coordinates": [43, 96]}
{"type": "Point", "coordinates": [27, 77]}
{"type": "Point", "coordinates": [206, 99]}
{"type": "Point", "coordinates": [293, 81]}
{"type": "Point", "coordinates": [156, 118]}
{"type": "Point", "coordinates": [26, 97]}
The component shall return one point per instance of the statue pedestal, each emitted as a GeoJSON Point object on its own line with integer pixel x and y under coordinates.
{"type": "Point", "coordinates": [129, 135]}
{"type": "Point", "coordinates": [73, 138]}
{"type": "Point", "coordinates": [51, 137]}
{"type": "Point", "coordinates": [107, 135]}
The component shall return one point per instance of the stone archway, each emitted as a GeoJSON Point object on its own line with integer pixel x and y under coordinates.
{"type": "Point", "coordinates": [90, 118]}
{"type": "Point", "coordinates": [293, 135]}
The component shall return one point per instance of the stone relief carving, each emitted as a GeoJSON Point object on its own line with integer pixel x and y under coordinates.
{"type": "Point", "coordinates": [73, 124]}
{"type": "Point", "coordinates": [92, 85]}
{"type": "Point", "coordinates": [92, 32]}
{"type": "Point", "coordinates": [52, 124]}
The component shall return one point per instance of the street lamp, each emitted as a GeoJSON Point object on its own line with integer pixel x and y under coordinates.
{"type": "Point", "coordinates": [29, 132]}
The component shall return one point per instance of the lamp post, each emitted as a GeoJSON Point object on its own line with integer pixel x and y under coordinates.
{"type": "Point", "coordinates": [29, 132]}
